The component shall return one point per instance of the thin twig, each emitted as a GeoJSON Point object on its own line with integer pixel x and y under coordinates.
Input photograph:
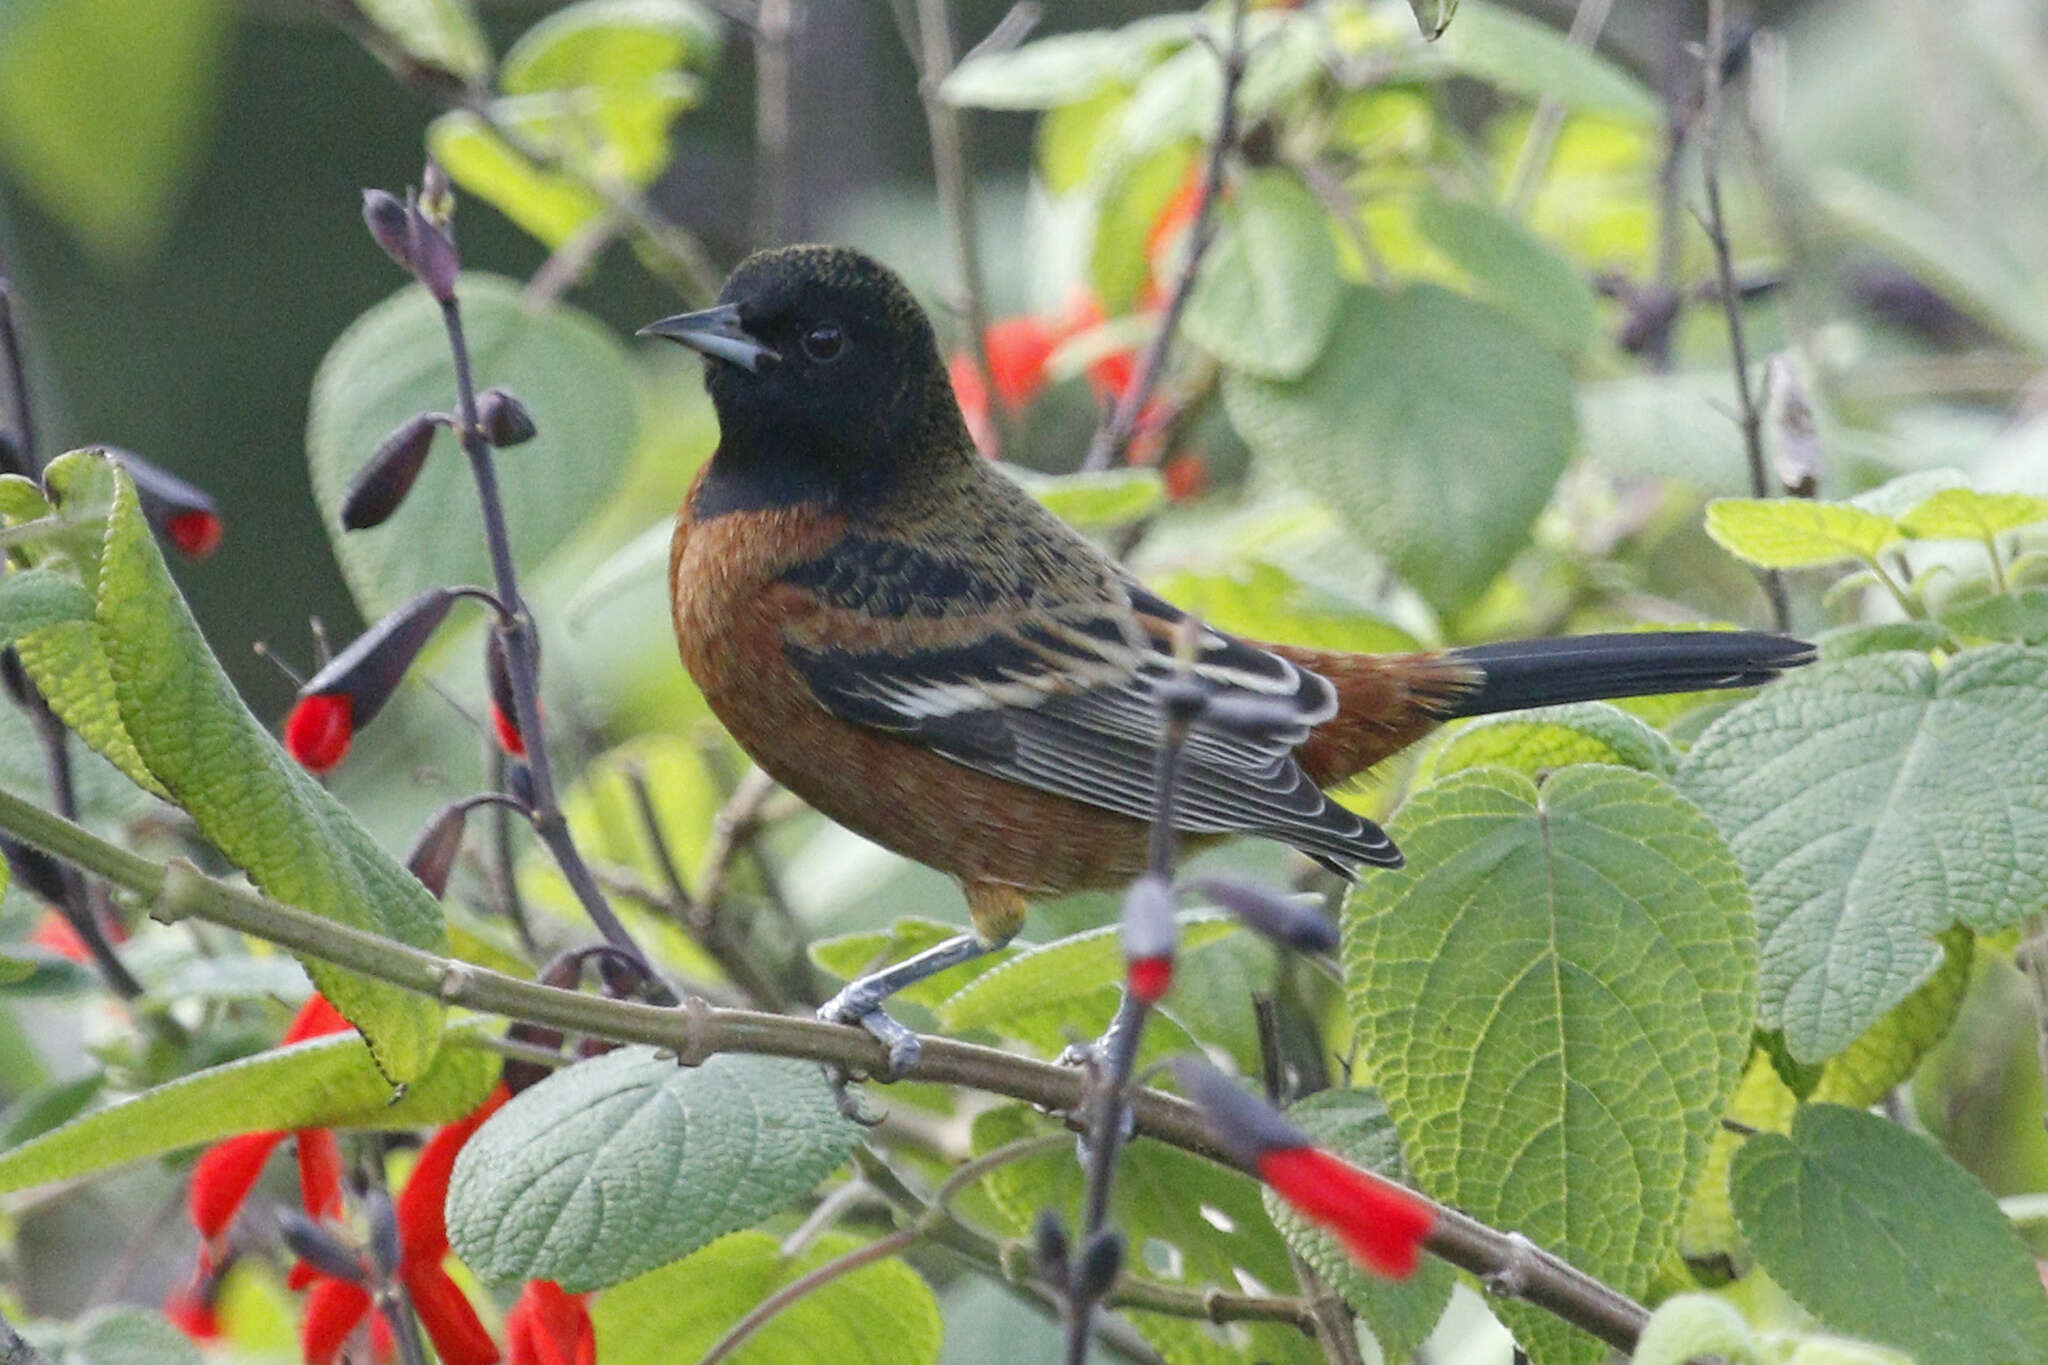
{"type": "Point", "coordinates": [775, 183]}
{"type": "Point", "coordinates": [522, 659]}
{"type": "Point", "coordinates": [1113, 437]}
{"type": "Point", "coordinates": [698, 1031]}
{"type": "Point", "coordinates": [15, 1351]}
{"type": "Point", "coordinates": [1716, 225]}
{"type": "Point", "coordinates": [1541, 142]}
{"type": "Point", "coordinates": [933, 54]}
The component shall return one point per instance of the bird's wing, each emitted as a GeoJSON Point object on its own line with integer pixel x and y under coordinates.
{"type": "Point", "coordinates": [1028, 656]}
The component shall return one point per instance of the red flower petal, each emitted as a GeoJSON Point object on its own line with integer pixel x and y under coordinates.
{"type": "Point", "coordinates": [55, 933]}
{"type": "Point", "coordinates": [1017, 351]}
{"type": "Point", "coordinates": [1382, 1224]}
{"type": "Point", "coordinates": [320, 1172]}
{"type": "Point", "coordinates": [316, 1019]}
{"type": "Point", "coordinates": [422, 1217]}
{"type": "Point", "coordinates": [1115, 373]}
{"type": "Point", "coordinates": [301, 1276]}
{"type": "Point", "coordinates": [1187, 475]}
{"type": "Point", "coordinates": [452, 1324]}
{"type": "Point", "coordinates": [196, 533]}
{"type": "Point", "coordinates": [509, 738]}
{"type": "Point", "coordinates": [333, 1311]}
{"type": "Point", "coordinates": [318, 731]}
{"type": "Point", "coordinates": [550, 1326]}
{"type": "Point", "coordinates": [1177, 216]}
{"type": "Point", "coordinates": [1149, 977]}
{"type": "Point", "coordinates": [193, 1316]}
{"type": "Point", "coordinates": [221, 1182]}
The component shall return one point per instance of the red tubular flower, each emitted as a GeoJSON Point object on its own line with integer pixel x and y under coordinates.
{"type": "Point", "coordinates": [320, 729]}
{"type": "Point", "coordinates": [550, 1326]}
{"type": "Point", "coordinates": [227, 1171]}
{"type": "Point", "coordinates": [1150, 934]}
{"type": "Point", "coordinates": [1379, 1222]}
{"type": "Point", "coordinates": [1187, 475]}
{"type": "Point", "coordinates": [55, 933]}
{"type": "Point", "coordinates": [1017, 351]}
{"type": "Point", "coordinates": [197, 534]}
{"type": "Point", "coordinates": [336, 1307]}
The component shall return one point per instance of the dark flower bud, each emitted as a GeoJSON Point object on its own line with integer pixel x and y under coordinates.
{"type": "Point", "coordinates": [520, 1074]}
{"type": "Point", "coordinates": [320, 1248]}
{"type": "Point", "coordinates": [349, 692]}
{"type": "Point", "coordinates": [1100, 1261]}
{"type": "Point", "coordinates": [1292, 921]}
{"type": "Point", "coordinates": [519, 782]}
{"type": "Point", "coordinates": [436, 262]}
{"type": "Point", "coordinates": [386, 1245]}
{"type": "Point", "coordinates": [433, 854]}
{"type": "Point", "coordinates": [10, 456]}
{"type": "Point", "coordinates": [505, 420]}
{"type": "Point", "coordinates": [390, 224]}
{"type": "Point", "coordinates": [1049, 1240]}
{"type": "Point", "coordinates": [1151, 932]}
{"type": "Point", "coordinates": [183, 513]}
{"type": "Point", "coordinates": [380, 486]}
{"type": "Point", "coordinates": [35, 869]}
{"type": "Point", "coordinates": [1242, 1124]}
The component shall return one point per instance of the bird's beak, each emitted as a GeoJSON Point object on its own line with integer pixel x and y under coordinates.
{"type": "Point", "coordinates": [715, 332]}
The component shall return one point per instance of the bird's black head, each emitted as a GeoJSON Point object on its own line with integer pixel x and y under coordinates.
{"type": "Point", "coordinates": [826, 378]}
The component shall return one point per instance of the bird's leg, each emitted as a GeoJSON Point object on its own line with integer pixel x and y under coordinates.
{"type": "Point", "coordinates": [997, 912]}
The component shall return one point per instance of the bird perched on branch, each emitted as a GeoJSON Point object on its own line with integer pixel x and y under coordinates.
{"type": "Point", "coordinates": [902, 636]}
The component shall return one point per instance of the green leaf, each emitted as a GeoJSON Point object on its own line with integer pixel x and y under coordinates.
{"type": "Point", "coordinates": [1514, 270]}
{"type": "Point", "coordinates": [1971, 272]}
{"type": "Point", "coordinates": [1670, 425]}
{"type": "Point", "coordinates": [880, 1314]}
{"type": "Point", "coordinates": [393, 362]}
{"type": "Point", "coordinates": [438, 33]}
{"type": "Point", "coordinates": [1268, 293]}
{"type": "Point", "coordinates": [1434, 424]}
{"type": "Point", "coordinates": [329, 1082]}
{"type": "Point", "coordinates": [2021, 615]}
{"type": "Point", "coordinates": [1063, 69]}
{"type": "Point", "coordinates": [1356, 1126]}
{"type": "Point", "coordinates": [119, 1334]}
{"type": "Point", "coordinates": [1555, 1002]}
{"type": "Point", "coordinates": [1073, 137]}
{"type": "Point", "coordinates": [1062, 983]}
{"type": "Point", "coordinates": [1966, 514]}
{"type": "Point", "coordinates": [1095, 500]}
{"type": "Point", "coordinates": [628, 1161]}
{"type": "Point", "coordinates": [1132, 197]}
{"type": "Point", "coordinates": [1433, 16]}
{"type": "Point", "coordinates": [105, 109]}
{"type": "Point", "coordinates": [1691, 1326]}
{"type": "Point", "coordinates": [1533, 742]}
{"type": "Point", "coordinates": [1265, 601]}
{"type": "Point", "coordinates": [610, 45]}
{"type": "Point", "coordinates": [1531, 58]}
{"type": "Point", "coordinates": [1798, 533]}
{"type": "Point", "coordinates": [249, 798]}
{"type": "Point", "coordinates": [1939, 1271]}
{"type": "Point", "coordinates": [1872, 802]}
{"type": "Point", "coordinates": [1185, 1221]}
{"type": "Point", "coordinates": [34, 599]}
{"type": "Point", "coordinates": [1882, 637]}
{"type": "Point", "coordinates": [48, 1105]}
{"type": "Point", "coordinates": [1867, 1070]}
{"type": "Point", "coordinates": [550, 206]}
{"type": "Point", "coordinates": [34, 972]}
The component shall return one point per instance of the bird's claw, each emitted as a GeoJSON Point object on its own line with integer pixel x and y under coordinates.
{"type": "Point", "coordinates": [905, 1047]}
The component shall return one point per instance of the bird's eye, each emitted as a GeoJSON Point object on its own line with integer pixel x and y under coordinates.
{"type": "Point", "coordinates": [824, 342]}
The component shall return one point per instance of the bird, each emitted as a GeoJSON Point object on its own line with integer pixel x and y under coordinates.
{"type": "Point", "coordinates": [900, 634]}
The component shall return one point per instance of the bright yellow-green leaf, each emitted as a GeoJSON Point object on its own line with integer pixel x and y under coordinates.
{"type": "Point", "coordinates": [1894, 1045]}
{"type": "Point", "coordinates": [1965, 514]}
{"type": "Point", "coordinates": [104, 110]}
{"type": "Point", "coordinates": [549, 206]}
{"type": "Point", "coordinates": [1266, 602]}
{"type": "Point", "coordinates": [1096, 500]}
{"type": "Point", "coordinates": [610, 44]}
{"type": "Point", "coordinates": [1128, 207]}
{"type": "Point", "coordinates": [1797, 533]}
{"type": "Point", "coordinates": [329, 1082]}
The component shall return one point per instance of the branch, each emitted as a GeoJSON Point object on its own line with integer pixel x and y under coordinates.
{"type": "Point", "coordinates": [1751, 415]}
{"type": "Point", "coordinates": [775, 24]}
{"type": "Point", "coordinates": [1113, 438]}
{"type": "Point", "coordinates": [522, 657]}
{"type": "Point", "coordinates": [697, 1031]}
{"type": "Point", "coordinates": [15, 1351]}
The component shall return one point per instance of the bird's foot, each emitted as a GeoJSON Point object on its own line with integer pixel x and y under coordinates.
{"type": "Point", "coordinates": [864, 1008]}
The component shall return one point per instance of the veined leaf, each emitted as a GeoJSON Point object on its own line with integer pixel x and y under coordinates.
{"type": "Point", "coordinates": [1940, 1271]}
{"type": "Point", "coordinates": [628, 1161]}
{"type": "Point", "coordinates": [1514, 269]}
{"type": "Point", "coordinates": [1966, 514]}
{"type": "Point", "coordinates": [1872, 802]}
{"type": "Point", "coordinates": [1268, 293]}
{"type": "Point", "coordinates": [34, 599]}
{"type": "Point", "coordinates": [1533, 742]}
{"type": "Point", "coordinates": [1555, 1000]}
{"type": "Point", "coordinates": [1799, 533]}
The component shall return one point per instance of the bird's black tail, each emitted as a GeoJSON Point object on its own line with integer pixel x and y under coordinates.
{"type": "Point", "coordinates": [1525, 673]}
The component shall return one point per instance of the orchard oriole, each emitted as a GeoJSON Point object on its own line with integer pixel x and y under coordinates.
{"type": "Point", "coordinates": [901, 635]}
